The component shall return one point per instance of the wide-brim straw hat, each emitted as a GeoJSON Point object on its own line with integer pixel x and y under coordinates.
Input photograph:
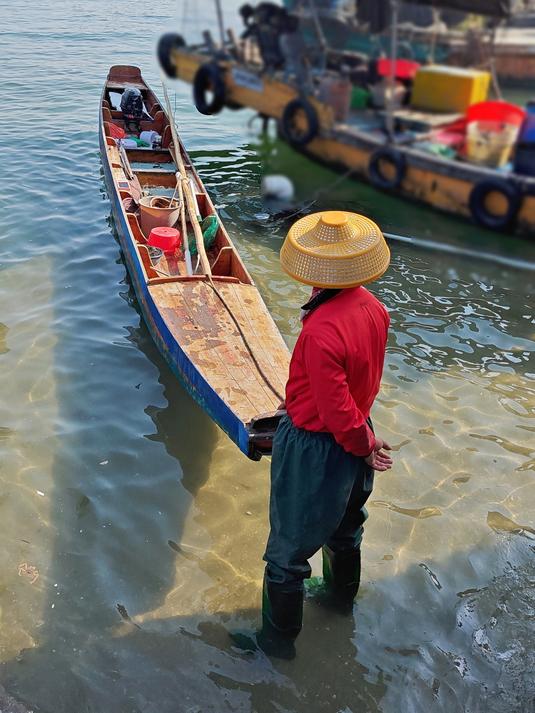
{"type": "Point", "coordinates": [335, 249]}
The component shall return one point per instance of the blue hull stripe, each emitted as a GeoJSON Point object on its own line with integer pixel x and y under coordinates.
{"type": "Point", "coordinates": [175, 356]}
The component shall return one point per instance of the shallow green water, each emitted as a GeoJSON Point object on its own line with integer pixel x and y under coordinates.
{"type": "Point", "coordinates": [116, 489]}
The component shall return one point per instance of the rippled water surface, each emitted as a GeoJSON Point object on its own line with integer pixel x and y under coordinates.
{"type": "Point", "coordinates": [132, 530]}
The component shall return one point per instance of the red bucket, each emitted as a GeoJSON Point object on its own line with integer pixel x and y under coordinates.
{"type": "Point", "coordinates": [498, 111]}
{"type": "Point", "coordinates": [167, 239]}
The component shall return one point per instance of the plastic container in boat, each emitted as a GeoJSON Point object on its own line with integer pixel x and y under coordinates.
{"type": "Point", "coordinates": [498, 111]}
{"type": "Point", "coordinates": [527, 133]}
{"type": "Point", "coordinates": [490, 143]}
{"type": "Point", "coordinates": [359, 98]}
{"type": "Point", "coordinates": [166, 239]}
{"type": "Point", "coordinates": [525, 148]}
{"type": "Point", "coordinates": [448, 89]}
{"type": "Point", "coordinates": [156, 211]}
{"type": "Point", "coordinates": [336, 92]}
{"type": "Point", "coordinates": [404, 69]}
{"type": "Point", "coordinates": [150, 137]}
{"type": "Point", "coordinates": [129, 143]}
{"type": "Point", "coordinates": [525, 159]}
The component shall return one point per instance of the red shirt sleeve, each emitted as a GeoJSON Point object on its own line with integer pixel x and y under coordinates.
{"type": "Point", "coordinates": [336, 407]}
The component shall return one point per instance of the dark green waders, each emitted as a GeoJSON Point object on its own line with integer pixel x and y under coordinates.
{"type": "Point", "coordinates": [318, 493]}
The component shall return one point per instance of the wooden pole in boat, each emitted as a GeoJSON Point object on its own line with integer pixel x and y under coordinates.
{"type": "Point", "coordinates": [189, 199]}
{"type": "Point", "coordinates": [190, 203]}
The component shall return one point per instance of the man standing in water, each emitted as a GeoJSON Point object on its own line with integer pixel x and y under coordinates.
{"type": "Point", "coordinates": [325, 451]}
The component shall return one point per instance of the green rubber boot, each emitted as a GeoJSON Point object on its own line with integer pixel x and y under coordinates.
{"type": "Point", "coordinates": [282, 619]}
{"type": "Point", "coordinates": [341, 575]}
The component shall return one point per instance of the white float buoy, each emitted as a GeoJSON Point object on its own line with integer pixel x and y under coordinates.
{"type": "Point", "coordinates": [277, 187]}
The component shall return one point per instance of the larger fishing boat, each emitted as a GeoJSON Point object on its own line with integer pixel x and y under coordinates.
{"type": "Point", "coordinates": [197, 298]}
{"type": "Point", "coordinates": [446, 146]}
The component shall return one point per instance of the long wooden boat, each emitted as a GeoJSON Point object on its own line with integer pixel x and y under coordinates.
{"type": "Point", "coordinates": [492, 198]}
{"type": "Point", "coordinates": [237, 375]}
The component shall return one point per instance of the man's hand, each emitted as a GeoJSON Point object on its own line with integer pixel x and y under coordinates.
{"type": "Point", "coordinates": [378, 459]}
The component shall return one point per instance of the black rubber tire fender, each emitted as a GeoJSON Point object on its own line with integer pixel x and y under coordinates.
{"type": "Point", "coordinates": [209, 77]}
{"type": "Point", "coordinates": [233, 106]}
{"type": "Point", "coordinates": [393, 156]}
{"type": "Point", "coordinates": [478, 209]}
{"type": "Point", "coordinates": [288, 128]}
{"type": "Point", "coordinates": [166, 44]}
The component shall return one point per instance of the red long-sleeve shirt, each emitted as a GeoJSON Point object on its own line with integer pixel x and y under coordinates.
{"type": "Point", "coordinates": [336, 368]}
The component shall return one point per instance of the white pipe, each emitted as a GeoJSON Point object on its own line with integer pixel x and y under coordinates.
{"type": "Point", "coordinates": [463, 252]}
{"type": "Point", "coordinates": [220, 22]}
{"type": "Point", "coordinates": [194, 194]}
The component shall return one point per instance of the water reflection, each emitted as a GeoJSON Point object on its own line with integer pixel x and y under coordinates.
{"type": "Point", "coordinates": [146, 527]}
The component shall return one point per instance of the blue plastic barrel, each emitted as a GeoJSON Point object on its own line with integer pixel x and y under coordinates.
{"type": "Point", "coordinates": [527, 132]}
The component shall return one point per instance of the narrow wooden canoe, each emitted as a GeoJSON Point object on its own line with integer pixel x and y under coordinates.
{"type": "Point", "coordinates": [238, 376]}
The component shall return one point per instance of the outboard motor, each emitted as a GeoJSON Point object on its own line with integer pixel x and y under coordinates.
{"type": "Point", "coordinates": [132, 108]}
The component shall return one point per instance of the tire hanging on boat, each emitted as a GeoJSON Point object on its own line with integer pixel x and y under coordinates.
{"type": "Point", "coordinates": [209, 78]}
{"type": "Point", "coordinates": [377, 177]}
{"type": "Point", "coordinates": [166, 44]}
{"type": "Point", "coordinates": [291, 131]}
{"type": "Point", "coordinates": [478, 203]}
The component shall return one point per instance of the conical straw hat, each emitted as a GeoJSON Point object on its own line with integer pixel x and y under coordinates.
{"type": "Point", "coordinates": [335, 249]}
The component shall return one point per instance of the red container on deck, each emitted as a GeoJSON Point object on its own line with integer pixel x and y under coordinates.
{"type": "Point", "coordinates": [405, 68]}
{"type": "Point", "coordinates": [167, 239]}
{"type": "Point", "coordinates": [498, 111]}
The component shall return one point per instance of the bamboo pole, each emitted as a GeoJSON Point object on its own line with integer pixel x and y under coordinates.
{"type": "Point", "coordinates": [189, 200]}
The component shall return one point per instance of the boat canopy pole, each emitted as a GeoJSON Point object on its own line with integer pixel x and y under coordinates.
{"type": "Point", "coordinates": [493, 72]}
{"type": "Point", "coordinates": [220, 22]}
{"type": "Point", "coordinates": [391, 89]}
{"type": "Point", "coordinates": [317, 26]}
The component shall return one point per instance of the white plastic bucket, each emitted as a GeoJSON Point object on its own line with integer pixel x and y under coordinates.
{"type": "Point", "coordinates": [149, 137]}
